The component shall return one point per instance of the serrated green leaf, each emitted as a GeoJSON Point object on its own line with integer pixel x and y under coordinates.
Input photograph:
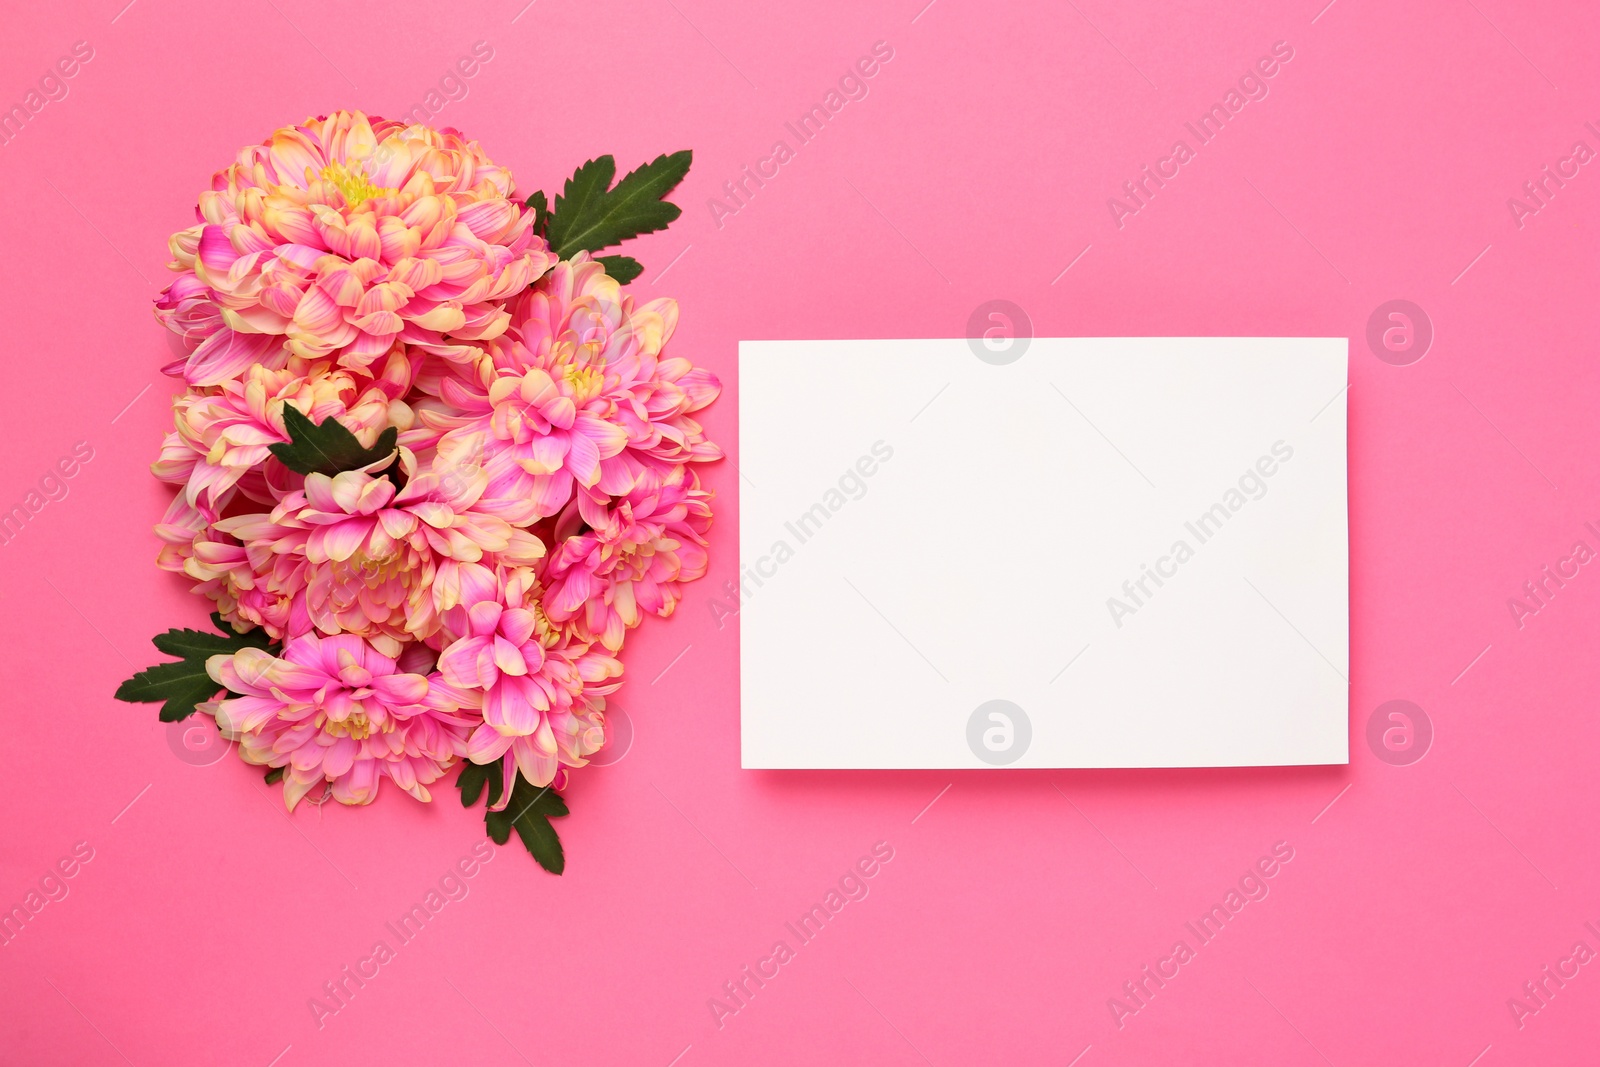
{"type": "Point", "coordinates": [190, 643]}
{"type": "Point", "coordinates": [541, 212]}
{"type": "Point", "coordinates": [471, 781]}
{"type": "Point", "coordinates": [590, 215]}
{"type": "Point", "coordinates": [580, 198]}
{"type": "Point", "coordinates": [326, 448]}
{"type": "Point", "coordinates": [529, 813]}
{"type": "Point", "coordinates": [542, 842]}
{"type": "Point", "coordinates": [623, 268]}
{"type": "Point", "coordinates": [474, 777]}
{"type": "Point", "coordinates": [179, 686]}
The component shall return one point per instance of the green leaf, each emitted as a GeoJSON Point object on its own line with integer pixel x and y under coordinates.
{"type": "Point", "coordinates": [179, 686]}
{"type": "Point", "coordinates": [623, 268]}
{"type": "Point", "coordinates": [529, 813]}
{"type": "Point", "coordinates": [590, 215]}
{"type": "Point", "coordinates": [471, 781]}
{"type": "Point", "coordinates": [474, 777]}
{"type": "Point", "coordinates": [327, 448]}
{"type": "Point", "coordinates": [579, 203]}
{"type": "Point", "coordinates": [187, 644]}
{"type": "Point", "coordinates": [274, 776]}
{"type": "Point", "coordinates": [541, 213]}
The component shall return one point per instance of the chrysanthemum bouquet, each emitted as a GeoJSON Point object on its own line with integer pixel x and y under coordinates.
{"type": "Point", "coordinates": [433, 465]}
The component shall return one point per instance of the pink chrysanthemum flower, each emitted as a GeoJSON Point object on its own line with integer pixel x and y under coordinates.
{"type": "Point", "coordinates": [632, 559]}
{"type": "Point", "coordinates": [578, 316]}
{"type": "Point", "coordinates": [341, 236]}
{"type": "Point", "coordinates": [224, 434]}
{"type": "Point", "coordinates": [541, 687]}
{"type": "Point", "coordinates": [262, 589]}
{"type": "Point", "coordinates": [576, 397]}
{"type": "Point", "coordinates": [335, 710]}
{"type": "Point", "coordinates": [374, 553]}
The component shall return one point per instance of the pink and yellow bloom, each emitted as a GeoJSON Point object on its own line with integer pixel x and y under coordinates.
{"type": "Point", "coordinates": [225, 434]}
{"type": "Point", "coordinates": [632, 559]}
{"type": "Point", "coordinates": [341, 236]}
{"type": "Point", "coordinates": [373, 552]}
{"type": "Point", "coordinates": [334, 710]}
{"type": "Point", "coordinates": [541, 687]}
{"type": "Point", "coordinates": [577, 397]}
{"type": "Point", "coordinates": [250, 590]}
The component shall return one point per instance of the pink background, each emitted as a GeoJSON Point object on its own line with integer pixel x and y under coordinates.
{"type": "Point", "coordinates": [978, 167]}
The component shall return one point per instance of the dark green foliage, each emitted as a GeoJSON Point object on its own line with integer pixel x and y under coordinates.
{"type": "Point", "coordinates": [327, 448]}
{"type": "Point", "coordinates": [179, 686]}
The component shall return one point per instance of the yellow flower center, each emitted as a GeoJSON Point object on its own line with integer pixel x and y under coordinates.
{"type": "Point", "coordinates": [586, 382]}
{"type": "Point", "coordinates": [356, 727]}
{"type": "Point", "coordinates": [373, 570]}
{"type": "Point", "coordinates": [353, 183]}
{"type": "Point", "coordinates": [543, 629]}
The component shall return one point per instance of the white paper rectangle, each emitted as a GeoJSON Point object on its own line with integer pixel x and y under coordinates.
{"type": "Point", "coordinates": [1136, 546]}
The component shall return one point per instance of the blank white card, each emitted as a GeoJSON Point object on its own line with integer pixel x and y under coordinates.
{"type": "Point", "coordinates": [1100, 552]}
